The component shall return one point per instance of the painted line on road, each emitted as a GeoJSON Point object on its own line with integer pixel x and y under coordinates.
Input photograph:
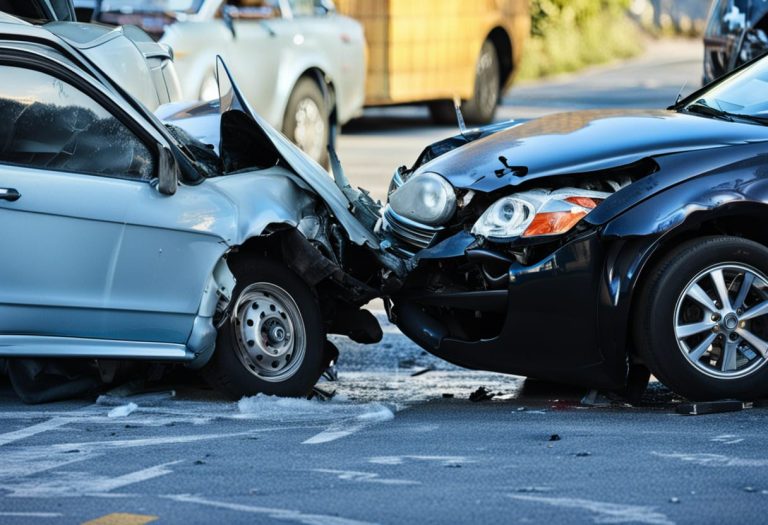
{"type": "Point", "coordinates": [347, 428]}
{"type": "Point", "coordinates": [604, 512]}
{"type": "Point", "coordinates": [365, 477]}
{"type": "Point", "coordinates": [122, 518]}
{"type": "Point", "coordinates": [273, 513]}
{"type": "Point", "coordinates": [31, 514]}
{"type": "Point", "coordinates": [75, 484]}
{"type": "Point", "coordinates": [23, 433]}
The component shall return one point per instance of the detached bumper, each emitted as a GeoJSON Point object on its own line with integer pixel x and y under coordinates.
{"type": "Point", "coordinates": [550, 329]}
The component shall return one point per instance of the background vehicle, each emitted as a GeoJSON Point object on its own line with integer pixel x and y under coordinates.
{"type": "Point", "coordinates": [302, 67]}
{"type": "Point", "coordinates": [569, 247]}
{"type": "Point", "coordinates": [737, 32]}
{"type": "Point", "coordinates": [129, 239]}
{"type": "Point", "coordinates": [433, 50]}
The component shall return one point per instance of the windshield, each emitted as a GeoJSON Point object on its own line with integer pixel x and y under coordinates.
{"type": "Point", "coordinates": [180, 6]}
{"type": "Point", "coordinates": [745, 94]}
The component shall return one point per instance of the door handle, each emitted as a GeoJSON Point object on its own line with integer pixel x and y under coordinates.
{"type": "Point", "coordinates": [9, 194]}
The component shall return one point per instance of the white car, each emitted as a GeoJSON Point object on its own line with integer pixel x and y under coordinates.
{"type": "Point", "coordinates": [301, 65]}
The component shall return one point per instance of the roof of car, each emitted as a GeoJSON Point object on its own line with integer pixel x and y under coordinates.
{"type": "Point", "coordinates": [10, 19]}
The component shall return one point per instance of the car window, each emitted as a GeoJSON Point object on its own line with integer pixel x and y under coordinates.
{"type": "Point", "coordinates": [47, 123]}
{"type": "Point", "coordinates": [302, 7]}
{"type": "Point", "coordinates": [729, 18]}
{"type": "Point", "coordinates": [254, 9]}
{"type": "Point", "coordinates": [741, 94]}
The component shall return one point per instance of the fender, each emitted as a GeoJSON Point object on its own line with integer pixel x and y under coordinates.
{"type": "Point", "coordinates": [633, 238]}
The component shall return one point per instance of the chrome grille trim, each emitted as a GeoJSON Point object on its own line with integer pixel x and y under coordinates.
{"type": "Point", "coordinates": [407, 231]}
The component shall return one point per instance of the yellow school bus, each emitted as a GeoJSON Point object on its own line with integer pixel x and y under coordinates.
{"type": "Point", "coordinates": [434, 50]}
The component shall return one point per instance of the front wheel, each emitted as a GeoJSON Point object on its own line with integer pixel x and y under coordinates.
{"type": "Point", "coordinates": [702, 319]}
{"type": "Point", "coordinates": [274, 340]}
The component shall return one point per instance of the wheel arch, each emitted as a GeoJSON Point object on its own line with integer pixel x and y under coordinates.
{"type": "Point", "coordinates": [742, 220]}
{"type": "Point", "coordinates": [326, 85]}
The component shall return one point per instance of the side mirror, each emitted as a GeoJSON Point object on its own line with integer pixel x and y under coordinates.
{"type": "Point", "coordinates": [168, 177]}
{"type": "Point", "coordinates": [228, 17]}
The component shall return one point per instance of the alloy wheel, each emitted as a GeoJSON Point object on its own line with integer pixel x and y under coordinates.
{"type": "Point", "coordinates": [721, 321]}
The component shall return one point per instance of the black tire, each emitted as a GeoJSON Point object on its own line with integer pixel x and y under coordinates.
{"type": "Point", "coordinates": [481, 108]}
{"type": "Point", "coordinates": [234, 368]}
{"type": "Point", "coordinates": [305, 100]}
{"type": "Point", "coordinates": [664, 308]}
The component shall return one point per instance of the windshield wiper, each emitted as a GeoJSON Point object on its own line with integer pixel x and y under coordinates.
{"type": "Point", "coordinates": [702, 108]}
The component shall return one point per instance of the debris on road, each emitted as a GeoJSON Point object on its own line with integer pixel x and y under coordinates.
{"type": "Point", "coordinates": [448, 396]}
{"type": "Point", "coordinates": [674, 500]}
{"type": "Point", "coordinates": [711, 407]}
{"type": "Point", "coordinates": [481, 394]}
{"type": "Point", "coordinates": [422, 371]}
{"type": "Point", "coordinates": [123, 410]}
{"type": "Point", "coordinates": [555, 437]}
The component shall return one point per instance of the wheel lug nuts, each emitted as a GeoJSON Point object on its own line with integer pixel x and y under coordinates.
{"type": "Point", "coordinates": [715, 317]}
{"type": "Point", "coordinates": [733, 337]}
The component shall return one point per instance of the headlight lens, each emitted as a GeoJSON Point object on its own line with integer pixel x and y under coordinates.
{"type": "Point", "coordinates": [426, 198]}
{"type": "Point", "coordinates": [537, 213]}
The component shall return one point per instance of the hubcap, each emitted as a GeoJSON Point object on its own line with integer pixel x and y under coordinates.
{"type": "Point", "coordinates": [271, 339]}
{"type": "Point", "coordinates": [310, 131]}
{"type": "Point", "coordinates": [721, 322]}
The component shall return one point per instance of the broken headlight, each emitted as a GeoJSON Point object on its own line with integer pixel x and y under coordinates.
{"type": "Point", "coordinates": [537, 213]}
{"type": "Point", "coordinates": [426, 198]}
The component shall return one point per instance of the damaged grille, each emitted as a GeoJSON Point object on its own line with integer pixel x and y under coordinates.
{"type": "Point", "coordinates": [413, 234]}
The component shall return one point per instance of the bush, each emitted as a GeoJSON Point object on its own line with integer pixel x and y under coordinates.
{"type": "Point", "coordinates": [567, 35]}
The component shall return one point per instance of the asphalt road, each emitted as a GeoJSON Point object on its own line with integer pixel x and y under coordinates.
{"type": "Point", "coordinates": [400, 441]}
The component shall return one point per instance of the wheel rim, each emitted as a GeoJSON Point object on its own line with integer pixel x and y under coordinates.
{"type": "Point", "coordinates": [270, 333]}
{"type": "Point", "coordinates": [309, 133]}
{"type": "Point", "coordinates": [721, 321]}
{"type": "Point", "coordinates": [487, 85]}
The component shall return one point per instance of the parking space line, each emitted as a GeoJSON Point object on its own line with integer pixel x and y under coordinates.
{"type": "Point", "coordinates": [45, 426]}
{"type": "Point", "coordinates": [31, 514]}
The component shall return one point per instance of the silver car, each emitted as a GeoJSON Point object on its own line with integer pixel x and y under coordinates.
{"type": "Point", "coordinates": [300, 64]}
{"type": "Point", "coordinates": [206, 238]}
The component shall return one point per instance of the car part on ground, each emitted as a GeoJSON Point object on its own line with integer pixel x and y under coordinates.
{"type": "Point", "coordinates": [537, 263]}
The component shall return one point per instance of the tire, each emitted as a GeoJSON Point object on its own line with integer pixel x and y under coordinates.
{"type": "Point", "coordinates": [274, 340]}
{"type": "Point", "coordinates": [701, 351]}
{"type": "Point", "coordinates": [306, 120]}
{"type": "Point", "coordinates": [481, 108]}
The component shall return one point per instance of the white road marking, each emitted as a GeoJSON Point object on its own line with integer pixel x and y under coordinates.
{"type": "Point", "coordinates": [713, 460]}
{"type": "Point", "coordinates": [25, 461]}
{"type": "Point", "coordinates": [727, 439]}
{"type": "Point", "coordinates": [32, 514]}
{"type": "Point", "coordinates": [273, 513]}
{"type": "Point", "coordinates": [74, 484]}
{"type": "Point", "coordinates": [347, 428]}
{"type": "Point", "coordinates": [604, 512]}
{"type": "Point", "coordinates": [45, 426]}
{"type": "Point", "coordinates": [365, 477]}
{"type": "Point", "coordinates": [399, 460]}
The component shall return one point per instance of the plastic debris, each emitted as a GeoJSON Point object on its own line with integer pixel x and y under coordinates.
{"type": "Point", "coordinates": [555, 437]}
{"type": "Point", "coordinates": [123, 410]}
{"type": "Point", "coordinates": [711, 407]}
{"type": "Point", "coordinates": [448, 396]}
{"type": "Point", "coordinates": [674, 500]}
{"type": "Point", "coordinates": [481, 394]}
{"type": "Point", "coordinates": [422, 371]}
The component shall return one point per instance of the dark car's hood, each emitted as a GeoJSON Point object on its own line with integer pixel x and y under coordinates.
{"type": "Point", "coordinates": [581, 142]}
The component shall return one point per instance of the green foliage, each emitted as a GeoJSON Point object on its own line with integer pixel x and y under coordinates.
{"type": "Point", "coordinates": [567, 35]}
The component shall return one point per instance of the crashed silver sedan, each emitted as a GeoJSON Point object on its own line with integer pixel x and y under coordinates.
{"type": "Point", "coordinates": [126, 238]}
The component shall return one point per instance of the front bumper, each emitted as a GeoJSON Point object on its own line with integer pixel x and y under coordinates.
{"type": "Point", "coordinates": [550, 327]}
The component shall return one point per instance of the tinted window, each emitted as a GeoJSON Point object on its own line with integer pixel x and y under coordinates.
{"type": "Point", "coordinates": [729, 17]}
{"type": "Point", "coordinates": [47, 123]}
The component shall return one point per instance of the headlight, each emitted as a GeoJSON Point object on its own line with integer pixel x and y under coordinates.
{"type": "Point", "coordinates": [426, 198]}
{"type": "Point", "coordinates": [537, 213]}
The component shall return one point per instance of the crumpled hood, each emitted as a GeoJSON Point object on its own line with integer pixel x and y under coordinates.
{"type": "Point", "coordinates": [584, 141]}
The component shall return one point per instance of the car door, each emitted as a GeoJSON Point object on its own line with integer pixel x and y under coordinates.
{"type": "Point", "coordinates": [62, 204]}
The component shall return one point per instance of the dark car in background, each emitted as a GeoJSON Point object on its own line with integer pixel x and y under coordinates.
{"type": "Point", "coordinates": [573, 247]}
{"type": "Point", "coordinates": [736, 33]}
